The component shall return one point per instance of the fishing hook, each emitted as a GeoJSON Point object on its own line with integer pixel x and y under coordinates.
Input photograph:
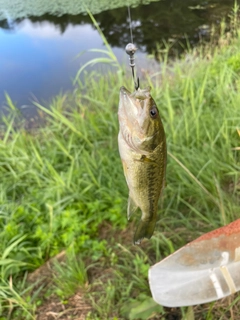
{"type": "Point", "coordinates": [130, 50]}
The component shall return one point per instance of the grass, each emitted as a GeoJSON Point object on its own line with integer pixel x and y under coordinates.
{"type": "Point", "coordinates": [62, 187]}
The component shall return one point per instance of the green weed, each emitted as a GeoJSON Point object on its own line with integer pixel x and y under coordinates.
{"type": "Point", "coordinates": [69, 276]}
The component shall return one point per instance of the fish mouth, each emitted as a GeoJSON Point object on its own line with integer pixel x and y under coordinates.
{"type": "Point", "coordinates": [132, 105]}
{"type": "Point", "coordinates": [127, 103]}
{"type": "Point", "coordinates": [139, 94]}
{"type": "Point", "coordinates": [124, 93]}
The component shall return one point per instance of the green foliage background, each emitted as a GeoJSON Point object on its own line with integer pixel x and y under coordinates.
{"type": "Point", "coordinates": [63, 183]}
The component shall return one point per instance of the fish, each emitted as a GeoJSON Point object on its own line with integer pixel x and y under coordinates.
{"type": "Point", "coordinates": [143, 152]}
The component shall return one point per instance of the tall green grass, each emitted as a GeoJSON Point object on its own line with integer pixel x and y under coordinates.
{"type": "Point", "coordinates": [59, 184]}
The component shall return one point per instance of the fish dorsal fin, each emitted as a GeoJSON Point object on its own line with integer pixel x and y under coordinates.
{"type": "Point", "coordinates": [132, 207]}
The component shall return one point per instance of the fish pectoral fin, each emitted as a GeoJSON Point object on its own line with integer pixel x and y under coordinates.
{"type": "Point", "coordinates": [132, 207]}
{"type": "Point", "coordinates": [145, 159]}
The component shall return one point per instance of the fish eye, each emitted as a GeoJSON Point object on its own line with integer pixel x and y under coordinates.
{"type": "Point", "coordinates": [154, 112]}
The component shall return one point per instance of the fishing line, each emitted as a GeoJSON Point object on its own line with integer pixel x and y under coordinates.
{"type": "Point", "coordinates": [130, 23]}
{"type": "Point", "coordinates": [130, 50]}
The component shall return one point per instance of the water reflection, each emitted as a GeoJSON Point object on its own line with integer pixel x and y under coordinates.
{"type": "Point", "coordinates": [37, 54]}
{"type": "Point", "coordinates": [38, 59]}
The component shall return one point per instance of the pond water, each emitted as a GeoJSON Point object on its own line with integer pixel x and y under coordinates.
{"type": "Point", "coordinates": [40, 39]}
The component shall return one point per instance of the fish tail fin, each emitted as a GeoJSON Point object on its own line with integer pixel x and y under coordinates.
{"type": "Point", "coordinates": [145, 229]}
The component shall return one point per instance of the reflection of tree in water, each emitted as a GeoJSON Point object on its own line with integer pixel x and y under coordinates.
{"type": "Point", "coordinates": [161, 20]}
{"type": "Point", "coordinates": [9, 24]}
{"type": "Point", "coordinates": [63, 21]}
{"type": "Point", "coordinates": [152, 23]}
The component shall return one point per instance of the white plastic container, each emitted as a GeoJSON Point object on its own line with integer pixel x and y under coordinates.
{"type": "Point", "coordinates": [204, 270]}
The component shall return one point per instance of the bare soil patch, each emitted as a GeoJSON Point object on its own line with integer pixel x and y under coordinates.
{"type": "Point", "coordinates": [52, 308]}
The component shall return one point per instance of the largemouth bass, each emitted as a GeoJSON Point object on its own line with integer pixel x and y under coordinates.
{"type": "Point", "coordinates": [143, 151]}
